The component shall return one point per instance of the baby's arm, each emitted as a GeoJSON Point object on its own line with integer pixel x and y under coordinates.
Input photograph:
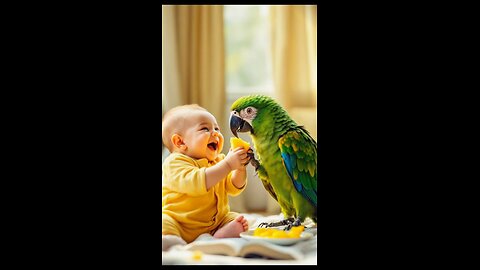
{"type": "Point", "coordinates": [239, 177]}
{"type": "Point", "coordinates": [233, 161]}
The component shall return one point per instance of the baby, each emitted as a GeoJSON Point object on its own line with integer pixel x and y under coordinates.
{"type": "Point", "coordinates": [197, 177]}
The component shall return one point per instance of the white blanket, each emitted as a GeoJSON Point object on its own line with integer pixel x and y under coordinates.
{"type": "Point", "coordinates": [176, 255]}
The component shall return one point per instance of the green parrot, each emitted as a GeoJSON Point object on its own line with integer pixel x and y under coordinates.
{"type": "Point", "coordinates": [287, 156]}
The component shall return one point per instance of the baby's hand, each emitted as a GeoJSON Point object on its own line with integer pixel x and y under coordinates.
{"type": "Point", "coordinates": [237, 158]}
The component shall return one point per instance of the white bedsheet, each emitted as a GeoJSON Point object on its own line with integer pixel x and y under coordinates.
{"type": "Point", "coordinates": [175, 255]}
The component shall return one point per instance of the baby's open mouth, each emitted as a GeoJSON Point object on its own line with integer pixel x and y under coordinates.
{"type": "Point", "coordinates": [212, 146]}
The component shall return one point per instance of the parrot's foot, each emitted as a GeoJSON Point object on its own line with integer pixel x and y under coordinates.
{"type": "Point", "coordinates": [295, 223]}
{"type": "Point", "coordinates": [251, 156]}
{"type": "Point", "coordinates": [276, 224]}
{"type": "Point", "coordinates": [255, 163]}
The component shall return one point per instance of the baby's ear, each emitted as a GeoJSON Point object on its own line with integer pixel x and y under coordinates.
{"type": "Point", "coordinates": [177, 142]}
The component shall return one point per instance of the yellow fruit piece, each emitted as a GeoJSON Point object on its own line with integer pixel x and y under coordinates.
{"type": "Point", "coordinates": [297, 228]}
{"type": "Point", "coordinates": [273, 233]}
{"type": "Point", "coordinates": [237, 142]}
{"type": "Point", "coordinates": [197, 255]}
{"type": "Point", "coordinates": [279, 234]}
{"type": "Point", "coordinates": [296, 231]}
{"type": "Point", "coordinates": [259, 231]}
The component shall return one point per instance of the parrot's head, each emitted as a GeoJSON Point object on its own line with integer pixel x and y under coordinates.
{"type": "Point", "coordinates": [249, 111]}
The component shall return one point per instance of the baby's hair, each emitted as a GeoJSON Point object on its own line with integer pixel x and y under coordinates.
{"type": "Point", "coordinates": [172, 122]}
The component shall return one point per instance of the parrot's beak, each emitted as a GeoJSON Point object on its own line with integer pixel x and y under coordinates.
{"type": "Point", "coordinates": [237, 124]}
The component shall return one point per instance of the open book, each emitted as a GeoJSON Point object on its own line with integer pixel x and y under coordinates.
{"type": "Point", "coordinates": [251, 249]}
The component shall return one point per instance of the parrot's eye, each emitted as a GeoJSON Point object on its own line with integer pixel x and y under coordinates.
{"type": "Point", "coordinates": [248, 113]}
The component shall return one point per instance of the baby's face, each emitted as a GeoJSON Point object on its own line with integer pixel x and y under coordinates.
{"type": "Point", "coordinates": [202, 136]}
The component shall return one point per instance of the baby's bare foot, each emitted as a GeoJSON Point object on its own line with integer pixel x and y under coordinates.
{"type": "Point", "coordinates": [232, 229]}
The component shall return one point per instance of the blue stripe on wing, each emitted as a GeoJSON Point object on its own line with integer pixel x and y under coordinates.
{"type": "Point", "coordinates": [298, 161]}
{"type": "Point", "coordinates": [287, 160]}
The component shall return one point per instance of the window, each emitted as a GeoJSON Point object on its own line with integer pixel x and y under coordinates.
{"type": "Point", "coordinates": [247, 49]}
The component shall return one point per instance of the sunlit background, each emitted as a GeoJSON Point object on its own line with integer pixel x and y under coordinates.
{"type": "Point", "coordinates": [214, 54]}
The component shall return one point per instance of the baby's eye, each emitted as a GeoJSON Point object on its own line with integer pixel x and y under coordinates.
{"type": "Point", "coordinates": [217, 129]}
{"type": "Point", "coordinates": [205, 128]}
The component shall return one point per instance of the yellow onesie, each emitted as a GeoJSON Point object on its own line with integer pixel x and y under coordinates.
{"type": "Point", "coordinates": [188, 209]}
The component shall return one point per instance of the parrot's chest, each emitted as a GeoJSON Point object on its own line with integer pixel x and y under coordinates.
{"type": "Point", "coordinates": [271, 160]}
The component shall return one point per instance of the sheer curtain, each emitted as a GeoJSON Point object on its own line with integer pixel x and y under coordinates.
{"type": "Point", "coordinates": [294, 56]}
{"type": "Point", "coordinates": [193, 58]}
{"type": "Point", "coordinates": [193, 65]}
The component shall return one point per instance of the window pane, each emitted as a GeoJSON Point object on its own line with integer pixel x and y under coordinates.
{"type": "Point", "coordinates": [247, 53]}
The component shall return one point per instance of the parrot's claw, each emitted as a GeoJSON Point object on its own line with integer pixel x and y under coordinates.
{"type": "Point", "coordinates": [249, 154]}
{"type": "Point", "coordinates": [295, 223]}
{"type": "Point", "coordinates": [263, 224]}
{"type": "Point", "coordinates": [253, 161]}
{"type": "Point", "coordinates": [276, 224]}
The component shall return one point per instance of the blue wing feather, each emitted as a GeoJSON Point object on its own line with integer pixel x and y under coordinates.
{"type": "Point", "coordinates": [287, 160]}
{"type": "Point", "coordinates": [297, 162]}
